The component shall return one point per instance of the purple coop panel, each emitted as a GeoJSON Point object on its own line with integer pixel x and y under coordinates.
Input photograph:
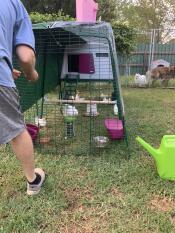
{"type": "Point", "coordinates": [86, 63]}
{"type": "Point", "coordinates": [114, 128]}
{"type": "Point", "coordinates": [33, 131]}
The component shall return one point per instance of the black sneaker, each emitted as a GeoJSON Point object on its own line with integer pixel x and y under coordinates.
{"type": "Point", "coordinates": [33, 189]}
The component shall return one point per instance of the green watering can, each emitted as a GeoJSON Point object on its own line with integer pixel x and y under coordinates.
{"type": "Point", "coordinates": [164, 156]}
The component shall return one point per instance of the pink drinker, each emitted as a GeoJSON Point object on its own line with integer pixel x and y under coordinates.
{"type": "Point", "coordinates": [114, 128]}
{"type": "Point", "coordinates": [86, 11]}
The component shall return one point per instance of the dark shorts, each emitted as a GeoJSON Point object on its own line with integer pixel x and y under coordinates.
{"type": "Point", "coordinates": [11, 118]}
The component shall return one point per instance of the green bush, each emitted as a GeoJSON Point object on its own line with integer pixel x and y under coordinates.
{"type": "Point", "coordinates": [39, 18]}
{"type": "Point", "coordinates": [125, 38]}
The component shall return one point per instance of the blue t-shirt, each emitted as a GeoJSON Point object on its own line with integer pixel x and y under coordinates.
{"type": "Point", "coordinates": [15, 29]}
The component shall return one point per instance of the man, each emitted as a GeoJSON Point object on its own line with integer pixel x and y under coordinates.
{"type": "Point", "coordinates": [16, 36]}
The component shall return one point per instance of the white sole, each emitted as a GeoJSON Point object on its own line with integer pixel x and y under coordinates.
{"type": "Point", "coordinates": [31, 193]}
{"type": "Point", "coordinates": [42, 173]}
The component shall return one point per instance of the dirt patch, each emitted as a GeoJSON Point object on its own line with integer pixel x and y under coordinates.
{"type": "Point", "coordinates": [91, 220]}
{"type": "Point", "coordinates": [168, 103]}
{"type": "Point", "coordinates": [162, 204]}
{"type": "Point", "coordinates": [116, 192]}
{"type": "Point", "coordinates": [74, 197]}
{"type": "Point", "coordinates": [170, 131]}
{"type": "Point", "coordinates": [83, 217]}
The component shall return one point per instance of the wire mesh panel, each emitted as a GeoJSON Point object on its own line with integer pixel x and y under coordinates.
{"type": "Point", "coordinates": [138, 61]}
{"type": "Point", "coordinates": [78, 96]}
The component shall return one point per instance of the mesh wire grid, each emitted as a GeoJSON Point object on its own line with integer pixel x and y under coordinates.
{"type": "Point", "coordinates": [78, 69]}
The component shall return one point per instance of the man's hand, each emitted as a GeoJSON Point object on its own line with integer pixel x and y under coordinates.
{"type": "Point", "coordinates": [27, 62]}
{"type": "Point", "coordinates": [33, 76]}
{"type": "Point", "coordinates": [16, 73]}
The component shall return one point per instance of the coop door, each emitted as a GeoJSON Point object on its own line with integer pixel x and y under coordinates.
{"type": "Point", "coordinates": [86, 64]}
{"type": "Point", "coordinates": [73, 63]}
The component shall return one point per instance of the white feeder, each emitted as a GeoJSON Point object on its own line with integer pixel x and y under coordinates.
{"type": "Point", "coordinates": [69, 110]}
{"type": "Point", "coordinates": [40, 121]}
{"type": "Point", "coordinates": [116, 109]}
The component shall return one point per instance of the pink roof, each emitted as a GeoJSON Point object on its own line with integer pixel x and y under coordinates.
{"type": "Point", "coordinates": [86, 10]}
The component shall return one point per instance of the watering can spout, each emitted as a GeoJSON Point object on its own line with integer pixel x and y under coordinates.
{"type": "Point", "coordinates": [150, 149]}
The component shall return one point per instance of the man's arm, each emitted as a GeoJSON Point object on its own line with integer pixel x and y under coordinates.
{"type": "Point", "coordinates": [27, 62]}
{"type": "Point", "coordinates": [24, 42]}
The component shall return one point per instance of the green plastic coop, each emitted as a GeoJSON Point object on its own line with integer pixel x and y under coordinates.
{"type": "Point", "coordinates": [77, 65]}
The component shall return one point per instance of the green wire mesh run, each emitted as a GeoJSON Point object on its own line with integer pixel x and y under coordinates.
{"type": "Point", "coordinates": [77, 64]}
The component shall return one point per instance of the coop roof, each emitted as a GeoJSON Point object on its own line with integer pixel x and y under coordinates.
{"type": "Point", "coordinates": [62, 34]}
{"type": "Point", "coordinates": [51, 40]}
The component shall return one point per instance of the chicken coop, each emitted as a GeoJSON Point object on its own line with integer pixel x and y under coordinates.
{"type": "Point", "coordinates": [76, 106]}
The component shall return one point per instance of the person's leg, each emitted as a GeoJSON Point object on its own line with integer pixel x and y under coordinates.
{"type": "Point", "coordinates": [13, 130]}
{"type": "Point", "coordinates": [22, 146]}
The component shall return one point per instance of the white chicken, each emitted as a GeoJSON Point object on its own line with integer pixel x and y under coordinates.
{"type": "Point", "coordinates": [140, 80]}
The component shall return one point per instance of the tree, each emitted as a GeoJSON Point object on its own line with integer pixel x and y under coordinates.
{"type": "Point", "coordinates": [148, 14]}
{"type": "Point", "coordinates": [51, 6]}
{"type": "Point", "coordinates": [125, 38]}
{"type": "Point", "coordinates": [107, 10]}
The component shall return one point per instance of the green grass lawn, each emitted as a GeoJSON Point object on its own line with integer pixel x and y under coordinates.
{"type": "Point", "coordinates": [107, 193]}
